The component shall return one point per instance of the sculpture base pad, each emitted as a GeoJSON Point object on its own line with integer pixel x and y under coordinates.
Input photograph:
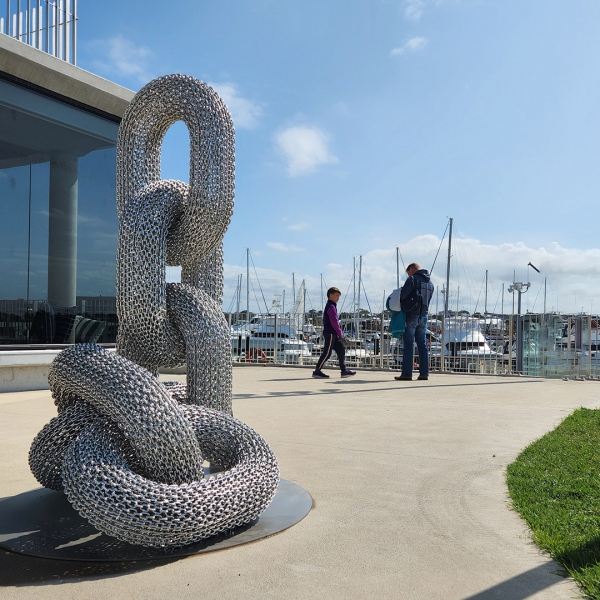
{"type": "Point", "coordinates": [42, 523]}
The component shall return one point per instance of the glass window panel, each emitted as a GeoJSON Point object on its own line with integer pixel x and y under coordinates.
{"type": "Point", "coordinates": [97, 224]}
{"type": "Point", "coordinates": [14, 232]}
{"type": "Point", "coordinates": [38, 244]}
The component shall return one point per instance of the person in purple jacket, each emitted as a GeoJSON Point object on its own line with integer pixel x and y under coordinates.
{"type": "Point", "coordinates": [333, 337]}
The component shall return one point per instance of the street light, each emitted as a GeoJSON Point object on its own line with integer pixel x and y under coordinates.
{"type": "Point", "coordinates": [521, 288]}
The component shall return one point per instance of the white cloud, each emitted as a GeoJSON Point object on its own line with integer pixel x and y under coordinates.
{"type": "Point", "coordinates": [299, 226]}
{"type": "Point", "coordinates": [120, 57]}
{"type": "Point", "coordinates": [573, 275]}
{"type": "Point", "coordinates": [304, 149]}
{"type": "Point", "coordinates": [244, 112]}
{"type": "Point", "coordinates": [413, 9]}
{"type": "Point", "coordinates": [413, 45]}
{"type": "Point", "coordinates": [284, 247]}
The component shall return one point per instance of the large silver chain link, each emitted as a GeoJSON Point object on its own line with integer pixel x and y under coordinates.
{"type": "Point", "coordinates": [127, 449]}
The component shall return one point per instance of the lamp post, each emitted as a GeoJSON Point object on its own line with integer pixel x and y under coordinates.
{"type": "Point", "coordinates": [520, 288]}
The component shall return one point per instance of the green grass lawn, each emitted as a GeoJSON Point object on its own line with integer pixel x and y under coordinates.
{"type": "Point", "coordinates": [554, 485]}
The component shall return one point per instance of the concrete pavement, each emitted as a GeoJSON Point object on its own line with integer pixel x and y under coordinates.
{"type": "Point", "coordinates": [408, 486]}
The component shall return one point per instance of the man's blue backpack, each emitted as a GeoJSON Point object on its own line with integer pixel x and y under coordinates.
{"type": "Point", "coordinates": [419, 297]}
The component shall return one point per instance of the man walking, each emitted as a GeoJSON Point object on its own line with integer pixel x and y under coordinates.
{"type": "Point", "coordinates": [414, 299]}
{"type": "Point", "coordinates": [333, 337]}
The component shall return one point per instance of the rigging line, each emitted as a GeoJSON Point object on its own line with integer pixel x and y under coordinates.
{"type": "Point", "coordinates": [479, 297]}
{"type": "Point", "coordinates": [536, 296]}
{"type": "Point", "coordinates": [255, 298]}
{"type": "Point", "coordinates": [347, 274]}
{"type": "Point", "coordinates": [372, 285]}
{"type": "Point", "coordinates": [309, 302]}
{"type": "Point", "coordinates": [259, 286]}
{"type": "Point", "coordinates": [467, 267]}
{"type": "Point", "coordinates": [229, 280]}
{"type": "Point", "coordinates": [402, 259]}
{"type": "Point", "coordinates": [440, 246]}
{"type": "Point", "coordinates": [467, 270]}
{"type": "Point", "coordinates": [367, 298]}
{"type": "Point", "coordinates": [230, 308]}
{"type": "Point", "coordinates": [346, 295]}
{"type": "Point", "coordinates": [497, 300]}
{"type": "Point", "coordinates": [469, 275]}
{"type": "Point", "coordinates": [390, 267]}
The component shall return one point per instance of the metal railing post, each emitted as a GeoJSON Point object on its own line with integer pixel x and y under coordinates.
{"type": "Point", "coordinates": [275, 343]}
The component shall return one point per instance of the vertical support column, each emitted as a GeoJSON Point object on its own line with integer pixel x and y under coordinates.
{"type": "Point", "coordinates": [62, 230]}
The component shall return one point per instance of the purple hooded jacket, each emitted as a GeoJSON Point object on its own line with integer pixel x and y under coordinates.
{"type": "Point", "coordinates": [331, 323]}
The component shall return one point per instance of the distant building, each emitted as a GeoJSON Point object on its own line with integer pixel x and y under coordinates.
{"type": "Point", "coordinates": [58, 131]}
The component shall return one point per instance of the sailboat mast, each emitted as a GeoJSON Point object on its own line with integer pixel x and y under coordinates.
{"type": "Point", "coordinates": [358, 297]}
{"type": "Point", "coordinates": [545, 296]}
{"type": "Point", "coordinates": [397, 267]}
{"type": "Point", "coordinates": [354, 288]}
{"type": "Point", "coordinates": [304, 302]}
{"type": "Point", "coordinates": [322, 297]}
{"type": "Point", "coordinates": [238, 290]}
{"type": "Point", "coordinates": [447, 296]}
{"type": "Point", "coordinates": [486, 290]}
{"type": "Point", "coordinates": [248, 284]}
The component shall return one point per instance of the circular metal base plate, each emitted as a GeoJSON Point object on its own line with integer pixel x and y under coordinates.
{"type": "Point", "coordinates": [42, 523]}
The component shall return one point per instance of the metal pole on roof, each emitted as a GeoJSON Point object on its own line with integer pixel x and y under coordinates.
{"type": "Point", "coordinates": [74, 32]}
{"type": "Point", "coordinates": [28, 22]}
{"type": "Point", "coordinates": [38, 25]}
{"type": "Point", "coordinates": [64, 6]}
{"type": "Point", "coordinates": [55, 20]}
{"type": "Point", "coordinates": [47, 26]}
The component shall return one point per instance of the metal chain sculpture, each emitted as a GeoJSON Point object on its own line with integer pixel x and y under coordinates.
{"type": "Point", "coordinates": [127, 449]}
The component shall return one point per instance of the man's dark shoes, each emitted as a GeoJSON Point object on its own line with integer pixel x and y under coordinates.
{"type": "Point", "coordinates": [422, 377]}
{"type": "Point", "coordinates": [403, 378]}
{"type": "Point", "coordinates": [348, 373]}
{"type": "Point", "coordinates": [320, 375]}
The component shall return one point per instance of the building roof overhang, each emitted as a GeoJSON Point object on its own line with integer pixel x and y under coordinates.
{"type": "Point", "coordinates": [29, 67]}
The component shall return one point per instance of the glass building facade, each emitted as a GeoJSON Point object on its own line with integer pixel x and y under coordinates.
{"type": "Point", "coordinates": [58, 230]}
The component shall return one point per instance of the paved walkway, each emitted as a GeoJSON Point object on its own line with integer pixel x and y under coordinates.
{"type": "Point", "coordinates": [408, 486]}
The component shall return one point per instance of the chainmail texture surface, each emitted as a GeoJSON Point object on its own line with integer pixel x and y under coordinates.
{"type": "Point", "coordinates": [127, 449]}
{"type": "Point", "coordinates": [164, 222]}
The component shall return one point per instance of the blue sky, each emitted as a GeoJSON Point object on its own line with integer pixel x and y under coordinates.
{"type": "Point", "coordinates": [363, 125]}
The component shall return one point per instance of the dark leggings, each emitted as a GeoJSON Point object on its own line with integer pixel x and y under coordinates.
{"type": "Point", "coordinates": [332, 342]}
